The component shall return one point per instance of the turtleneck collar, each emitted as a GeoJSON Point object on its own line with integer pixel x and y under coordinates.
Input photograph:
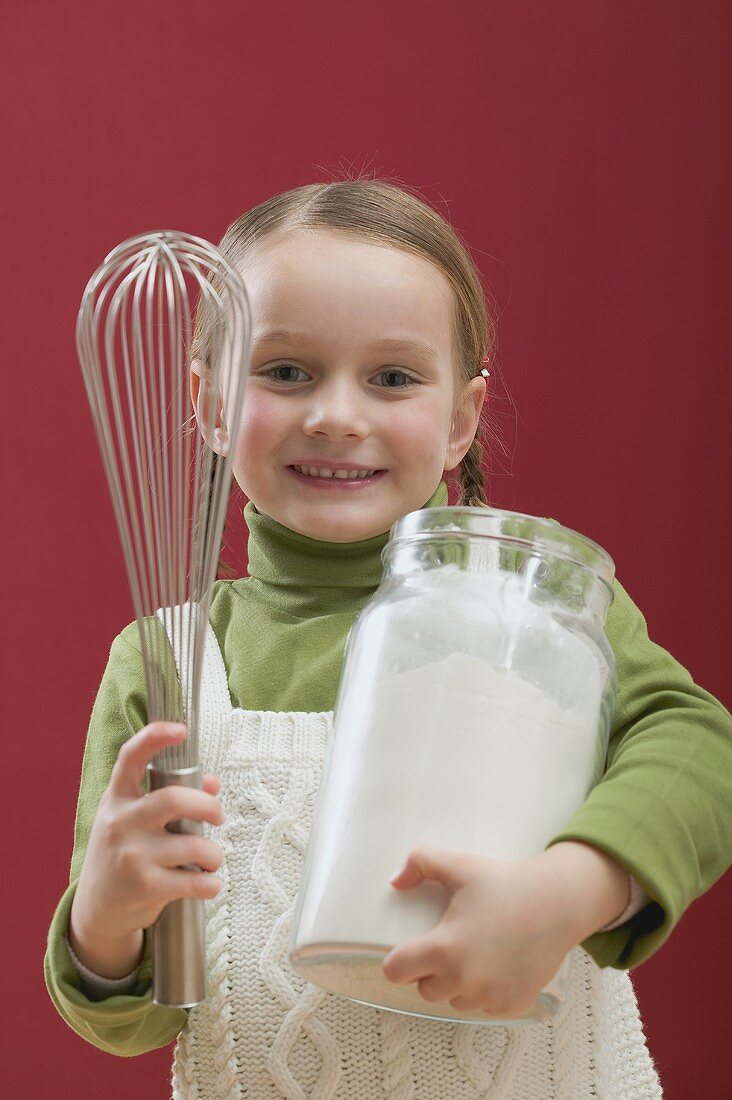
{"type": "Point", "coordinates": [302, 574]}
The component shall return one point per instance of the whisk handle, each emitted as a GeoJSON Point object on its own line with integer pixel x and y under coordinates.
{"type": "Point", "coordinates": [179, 933]}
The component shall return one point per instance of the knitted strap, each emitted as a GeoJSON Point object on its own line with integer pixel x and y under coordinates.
{"type": "Point", "coordinates": [214, 681]}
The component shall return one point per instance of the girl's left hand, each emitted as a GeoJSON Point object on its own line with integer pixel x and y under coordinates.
{"type": "Point", "coordinates": [502, 937]}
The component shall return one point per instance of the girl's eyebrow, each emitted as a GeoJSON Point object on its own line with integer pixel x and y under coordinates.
{"type": "Point", "coordinates": [409, 344]}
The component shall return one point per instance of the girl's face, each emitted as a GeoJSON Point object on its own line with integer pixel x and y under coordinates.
{"type": "Point", "coordinates": [352, 369]}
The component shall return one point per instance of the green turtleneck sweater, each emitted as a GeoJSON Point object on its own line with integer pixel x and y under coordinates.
{"type": "Point", "coordinates": [661, 809]}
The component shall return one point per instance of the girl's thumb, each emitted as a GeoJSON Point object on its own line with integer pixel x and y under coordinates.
{"type": "Point", "coordinates": [423, 863]}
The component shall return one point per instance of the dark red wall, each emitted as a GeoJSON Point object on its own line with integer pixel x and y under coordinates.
{"type": "Point", "coordinates": [579, 147]}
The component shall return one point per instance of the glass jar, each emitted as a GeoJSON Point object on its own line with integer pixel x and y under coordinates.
{"type": "Point", "coordinates": [473, 714]}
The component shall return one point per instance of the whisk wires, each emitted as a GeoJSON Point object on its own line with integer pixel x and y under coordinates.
{"type": "Point", "coordinates": [169, 486]}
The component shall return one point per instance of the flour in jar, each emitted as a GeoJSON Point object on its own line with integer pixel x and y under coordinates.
{"type": "Point", "coordinates": [455, 753]}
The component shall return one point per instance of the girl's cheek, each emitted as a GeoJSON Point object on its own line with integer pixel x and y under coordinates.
{"type": "Point", "coordinates": [263, 423]}
{"type": "Point", "coordinates": [420, 429]}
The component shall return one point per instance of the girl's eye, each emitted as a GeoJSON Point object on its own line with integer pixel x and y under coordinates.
{"type": "Point", "coordinates": [396, 379]}
{"type": "Point", "coordinates": [288, 372]}
{"type": "Point", "coordinates": [280, 372]}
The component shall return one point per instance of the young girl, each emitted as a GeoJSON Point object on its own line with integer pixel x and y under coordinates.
{"type": "Point", "coordinates": [366, 388]}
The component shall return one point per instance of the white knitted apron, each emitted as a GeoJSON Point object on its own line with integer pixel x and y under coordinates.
{"type": "Point", "coordinates": [265, 1033]}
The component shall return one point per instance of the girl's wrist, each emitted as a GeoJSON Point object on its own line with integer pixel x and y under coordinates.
{"type": "Point", "coordinates": [595, 887]}
{"type": "Point", "coordinates": [96, 982]}
{"type": "Point", "coordinates": [109, 956]}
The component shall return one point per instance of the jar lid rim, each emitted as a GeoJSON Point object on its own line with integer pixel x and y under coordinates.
{"type": "Point", "coordinates": [469, 521]}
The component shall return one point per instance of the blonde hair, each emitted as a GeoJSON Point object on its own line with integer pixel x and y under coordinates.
{"type": "Point", "coordinates": [381, 211]}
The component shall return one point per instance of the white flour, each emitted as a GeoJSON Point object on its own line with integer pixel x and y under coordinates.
{"type": "Point", "coordinates": [460, 755]}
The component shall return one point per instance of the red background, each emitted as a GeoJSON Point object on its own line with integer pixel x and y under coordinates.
{"type": "Point", "coordinates": [578, 146]}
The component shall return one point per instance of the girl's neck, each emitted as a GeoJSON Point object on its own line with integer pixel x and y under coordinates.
{"type": "Point", "coordinates": [302, 575]}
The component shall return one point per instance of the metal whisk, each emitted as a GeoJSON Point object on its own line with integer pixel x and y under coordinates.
{"type": "Point", "coordinates": [169, 479]}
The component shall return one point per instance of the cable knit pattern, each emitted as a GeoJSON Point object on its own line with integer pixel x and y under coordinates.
{"type": "Point", "coordinates": [264, 1033]}
{"type": "Point", "coordinates": [396, 1056]}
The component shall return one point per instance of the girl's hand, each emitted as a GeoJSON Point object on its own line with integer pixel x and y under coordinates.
{"type": "Point", "coordinates": [132, 865]}
{"type": "Point", "coordinates": [507, 925]}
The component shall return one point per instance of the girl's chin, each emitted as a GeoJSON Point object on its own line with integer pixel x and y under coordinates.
{"type": "Point", "coordinates": [339, 523]}
{"type": "Point", "coordinates": [338, 531]}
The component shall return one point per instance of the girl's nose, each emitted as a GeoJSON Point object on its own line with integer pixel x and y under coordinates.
{"type": "Point", "coordinates": [337, 411]}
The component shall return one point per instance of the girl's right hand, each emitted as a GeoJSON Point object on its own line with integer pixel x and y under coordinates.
{"type": "Point", "coordinates": [132, 867]}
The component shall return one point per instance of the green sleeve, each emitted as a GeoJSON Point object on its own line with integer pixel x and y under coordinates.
{"type": "Point", "coordinates": [124, 1024]}
{"type": "Point", "coordinates": [662, 808]}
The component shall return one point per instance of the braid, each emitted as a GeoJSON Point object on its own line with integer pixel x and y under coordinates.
{"type": "Point", "coordinates": [223, 568]}
{"type": "Point", "coordinates": [472, 489]}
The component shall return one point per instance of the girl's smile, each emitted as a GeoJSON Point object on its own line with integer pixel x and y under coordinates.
{"type": "Point", "coordinates": [335, 479]}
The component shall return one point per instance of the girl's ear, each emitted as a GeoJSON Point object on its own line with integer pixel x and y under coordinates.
{"type": "Point", "coordinates": [211, 423]}
{"type": "Point", "coordinates": [465, 422]}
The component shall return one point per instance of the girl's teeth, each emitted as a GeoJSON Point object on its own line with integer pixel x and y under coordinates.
{"type": "Point", "coordinates": [316, 471]}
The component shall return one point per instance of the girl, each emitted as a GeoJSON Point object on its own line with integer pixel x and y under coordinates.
{"type": "Point", "coordinates": [365, 392]}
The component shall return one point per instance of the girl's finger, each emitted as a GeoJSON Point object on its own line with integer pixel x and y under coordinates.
{"type": "Point", "coordinates": [439, 987]}
{"type": "Point", "coordinates": [423, 863]}
{"type": "Point", "coordinates": [181, 850]}
{"type": "Point", "coordinates": [189, 884]}
{"type": "Point", "coordinates": [211, 784]}
{"type": "Point", "coordinates": [419, 958]}
{"type": "Point", "coordinates": [159, 808]}
{"type": "Point", "coordinates": [131, 763]}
